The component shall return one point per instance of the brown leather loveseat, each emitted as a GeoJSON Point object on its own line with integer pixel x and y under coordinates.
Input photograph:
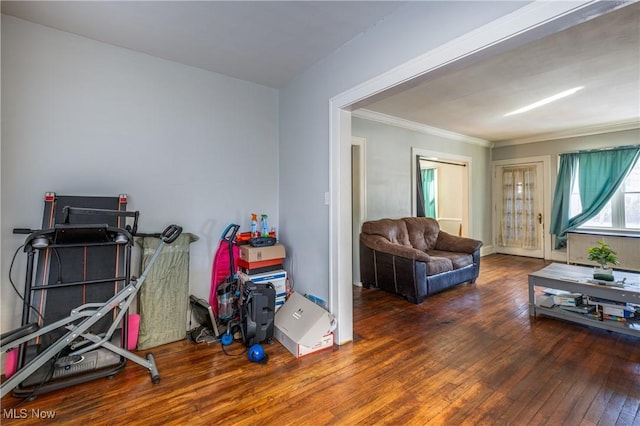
{"type": "Point", "coordinates": [411, 257]}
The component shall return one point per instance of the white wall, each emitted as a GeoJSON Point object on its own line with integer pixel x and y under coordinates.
{"type": "Point", "coordinates": [389, 169]}
{"type": "Point", "coordinates": [84, 118]}
{"type": "Point", "coordinates": [556, 147]}
{"type": "Point", "coordinates": [413, 30]}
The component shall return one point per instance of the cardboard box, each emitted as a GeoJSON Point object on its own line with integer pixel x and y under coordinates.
{"type": "Point", "coordinates": [571, 299]}
{"type": "Point", "coordinates": [303, 327]}
{"type": "Point", "coordinates": [257, 254]}
{"type": "Point", "coordinates": [298, 350]}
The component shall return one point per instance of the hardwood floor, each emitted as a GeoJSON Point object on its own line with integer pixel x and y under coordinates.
{"type": "Point", "coordinates": [471, 355]}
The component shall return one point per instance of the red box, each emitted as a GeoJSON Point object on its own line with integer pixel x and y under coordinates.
{"type": "Point", "coordinates": [260, 263]}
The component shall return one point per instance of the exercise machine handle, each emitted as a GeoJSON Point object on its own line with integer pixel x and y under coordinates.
{"type": "Point", "coordinates": [24, 231]}
{"type": "Point", "coordinates": [68, 211]}
{"type": "Point", "coordinates": [171, 233]}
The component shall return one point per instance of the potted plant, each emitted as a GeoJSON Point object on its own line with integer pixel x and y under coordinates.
{"type": "Point", "coordinates": [603, 255]}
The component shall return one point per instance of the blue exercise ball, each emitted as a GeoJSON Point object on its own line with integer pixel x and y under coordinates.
{"type": "Point", "coordinates": [256, 353]}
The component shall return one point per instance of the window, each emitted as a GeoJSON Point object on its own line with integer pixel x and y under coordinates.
{"type": "Point", "coordinates": [621, 212]}
{"type": "Point", "coordinates": [631, 198]}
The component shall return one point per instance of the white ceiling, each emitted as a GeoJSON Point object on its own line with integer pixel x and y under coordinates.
{"type": "Point", "coordinates": [602, 54]}
{"type": "Point", "coordinates": [270, 42]}
{"type": "Point", "coordinates": [266, 42]}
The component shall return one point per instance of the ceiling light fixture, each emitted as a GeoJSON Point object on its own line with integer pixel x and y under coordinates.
{"type": "Point", "coordinates": [545, 101]}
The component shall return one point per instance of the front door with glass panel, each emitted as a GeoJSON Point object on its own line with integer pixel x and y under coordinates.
{"type": "Point", "coordinates": [518, 209]}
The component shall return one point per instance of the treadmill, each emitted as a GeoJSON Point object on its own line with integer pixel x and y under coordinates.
{"type": "Point", "coordinates": [84, 261]}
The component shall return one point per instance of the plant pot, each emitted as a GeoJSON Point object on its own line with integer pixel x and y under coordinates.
{"type": "Point", "coordinates": [603, 274]}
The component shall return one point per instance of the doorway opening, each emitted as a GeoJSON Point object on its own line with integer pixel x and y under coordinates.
{"type": "Point", "coordinates": [530, 23]}
{"type": "Point", "coordinates": [440, 188]}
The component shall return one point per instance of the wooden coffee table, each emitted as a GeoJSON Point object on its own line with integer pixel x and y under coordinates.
{"type": "Point", "coordinates": [576, 279]}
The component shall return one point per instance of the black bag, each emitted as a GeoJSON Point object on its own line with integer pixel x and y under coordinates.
{"type": "Point", "coordinates": [257, 313]}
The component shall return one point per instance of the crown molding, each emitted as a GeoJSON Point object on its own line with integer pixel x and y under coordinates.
{"type": "Point", "coordinates": [563, 134]}
{"type": "Point", "coordinates": [573, 133]}
{"type": "Point", "coordinates": [418, 127]}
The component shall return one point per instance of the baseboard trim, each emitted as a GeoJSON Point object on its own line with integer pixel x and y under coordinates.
{"type": "Point", "coordinates": [487, 250]}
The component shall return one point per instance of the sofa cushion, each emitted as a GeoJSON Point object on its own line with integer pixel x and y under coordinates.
{"type": "Point", "coordinates": [423, 232]}
{"type": "Point", "coordinates": [452, 243]}
{"type": "Point", "coordinates": [458, 260]}
{"type": "Point", "coordinates": [438, 265]}
{"type": "Point", "coordinates": [393, 230]}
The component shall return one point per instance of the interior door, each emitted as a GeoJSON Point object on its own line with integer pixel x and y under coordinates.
{"type": "Point", "coordinates": [518, 209]}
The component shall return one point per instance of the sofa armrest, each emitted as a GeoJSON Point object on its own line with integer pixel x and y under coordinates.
{"type": "Point", "coordinates": [448, 242]}
{"type": "Point", "coordinates": [381, 244]}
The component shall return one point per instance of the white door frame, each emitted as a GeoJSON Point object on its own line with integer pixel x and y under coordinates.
{"type": "Point", "coordinates": [466, 209]}
{"type": "Point", "coordinates": [545, 199]}
{"type": "Point", "coordinates": [526, 24]}
{"type": "Point", "coordinates": [361, 202]}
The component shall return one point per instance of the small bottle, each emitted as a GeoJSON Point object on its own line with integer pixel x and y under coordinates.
{"type": "Point", "coordinates": [254, 225]}
{"type": "Point", "coordinates": [265, 227]}
{"type": "Point", "coordinates": [288, 288]}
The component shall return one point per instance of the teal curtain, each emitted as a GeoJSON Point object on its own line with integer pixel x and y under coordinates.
{"type": "Point", "coordinates": [600, 175]}
{"type": "Point", "coordinates": [562, 198]}
{"type": "Point", "coordinates": [595, 191]}
{"type": "Point", "coordinates": [429, 191]}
